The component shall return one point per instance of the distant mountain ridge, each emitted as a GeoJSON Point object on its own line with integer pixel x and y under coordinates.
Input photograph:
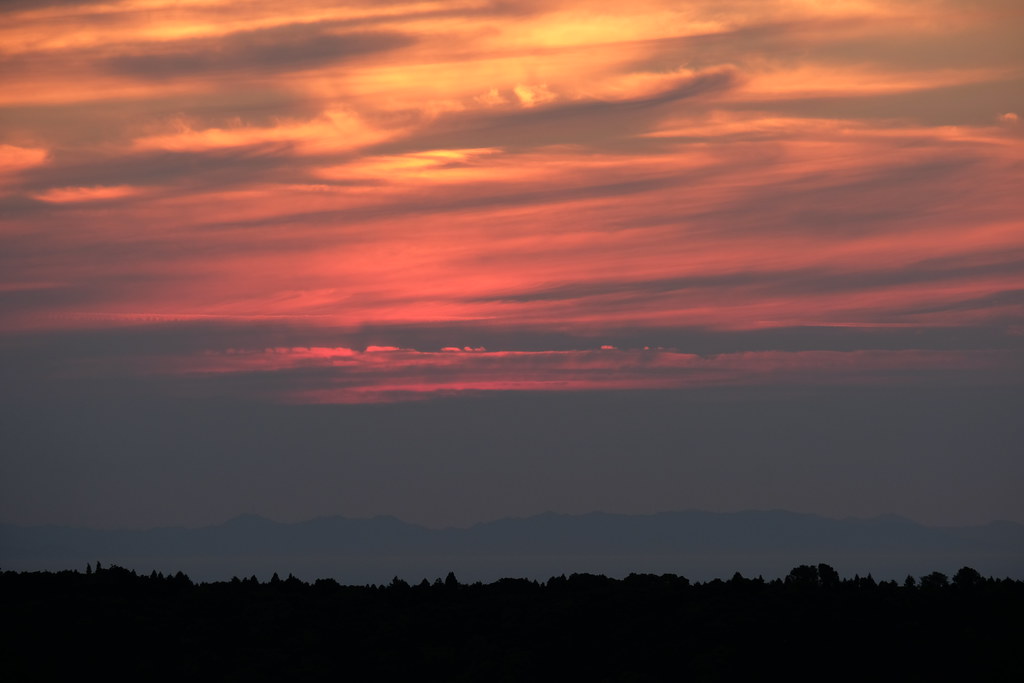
{"type": "Point", "coordinates": [361, 548]}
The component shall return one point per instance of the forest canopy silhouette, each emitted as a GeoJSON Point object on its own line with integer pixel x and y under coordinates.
{"type": "Point", "coordinates": [581, 627]}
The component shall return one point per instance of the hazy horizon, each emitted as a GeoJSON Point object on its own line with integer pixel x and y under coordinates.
{"type": "Point", "coordinates": [697, 544]}
{"type": "Point", "coordinates": [518, 517]}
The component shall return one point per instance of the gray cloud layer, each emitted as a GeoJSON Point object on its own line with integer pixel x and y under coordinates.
{"type": "Point", "coordinates": [264, 51]}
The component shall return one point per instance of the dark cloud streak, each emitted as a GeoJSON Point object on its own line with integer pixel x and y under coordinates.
{"type": "Point", "coordinates": [295, 47]}
{"type": "Point", "coordinates": [208, 168]}
{"type": "Point", "coordinates": [590, 122]}
{"type": "Point", "coordinates": [975, 103]}
{"type": "Point", "coordinates": [777, 282]}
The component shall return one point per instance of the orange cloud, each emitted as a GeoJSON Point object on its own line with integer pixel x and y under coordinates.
{"type": "Point", "coordinates": [571, 170]}
{"type": "Point", "coordinates": [85, 194]}
{"type": "Point", "coordinates": [14, 158]}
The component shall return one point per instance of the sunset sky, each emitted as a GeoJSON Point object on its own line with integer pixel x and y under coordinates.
{"type": "Point", "coordinates": [408, 257]}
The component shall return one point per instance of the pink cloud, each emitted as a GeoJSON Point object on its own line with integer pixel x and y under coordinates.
{"type": "Point", "coordinates": [351, 376]}
{"type": "Point", "coordinates": [562, 169]}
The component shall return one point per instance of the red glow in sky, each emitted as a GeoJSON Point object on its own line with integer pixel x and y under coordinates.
{"type": "Point", "coordinates": [720, 192]}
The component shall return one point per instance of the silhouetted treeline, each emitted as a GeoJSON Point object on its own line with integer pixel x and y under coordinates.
{"type": "Point", "coordinates": [113, 623]}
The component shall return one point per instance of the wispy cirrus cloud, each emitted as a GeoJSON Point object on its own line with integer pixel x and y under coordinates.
{"type": "Point", "coordinates": [411, 173]}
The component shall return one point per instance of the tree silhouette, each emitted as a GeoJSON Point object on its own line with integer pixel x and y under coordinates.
{"type": "Point", "coordinates": [827, 576]}
{"type": "Point", "coordinates": [966, 577]}
{"type": "Point", "coordinates": [586, 627]}
{"type": "Point", "coordinates": [934, 580]}
{"type": "Point", "coordinates": [804, 576]}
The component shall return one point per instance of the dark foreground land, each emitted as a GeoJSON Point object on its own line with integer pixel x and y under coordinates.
{"type": "Point", "coordinates": [110, 624]}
